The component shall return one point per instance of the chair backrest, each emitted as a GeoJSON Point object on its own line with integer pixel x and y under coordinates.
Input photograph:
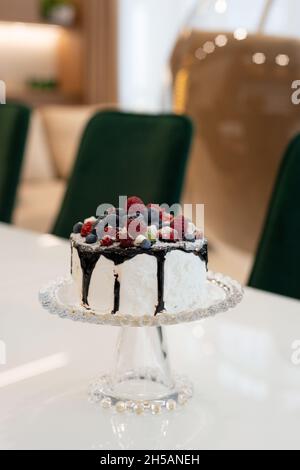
{"type": "Point", "coordinates": [276, 268]}
{"type": "Point", "coordinates": [126, 154]}
{"type": "Point", "coordinates": [14, 120]}
{"type": "Point", "coordinates": [240, 102]}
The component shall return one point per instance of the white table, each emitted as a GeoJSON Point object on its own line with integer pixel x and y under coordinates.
{"type": "Point", "coordinates": [247, 386]}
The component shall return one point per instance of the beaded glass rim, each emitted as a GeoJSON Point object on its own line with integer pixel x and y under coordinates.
{"type": "Point", "coordinates": [223, 294]}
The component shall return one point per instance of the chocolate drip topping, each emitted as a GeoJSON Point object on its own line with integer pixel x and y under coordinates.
{"type": "Point", "coordinates": [88, 262]}
{"type": "Point", "coordinates": [89, 259]}
{"type": "Point", "coordinates": [161, 258]}
{"type": "Point", "coordinates": [116, 295]}
{"type": "Point", "coordinates": [203, 254]}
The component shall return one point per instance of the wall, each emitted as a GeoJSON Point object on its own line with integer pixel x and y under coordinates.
{"type": "Point", "coordinates": [147, 31]}
{"type": "Point", "coordinates": [27, 52]}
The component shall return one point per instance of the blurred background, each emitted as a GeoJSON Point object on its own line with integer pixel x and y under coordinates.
{"type": "Point", "coordinates": [227, 64]}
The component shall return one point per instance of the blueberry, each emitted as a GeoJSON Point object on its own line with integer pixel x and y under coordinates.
{"type": "Point", "coordinates": [91, 239]}
{"type": "Point", "coordinates": [77, 228]}
{"type": "Point", "coordinates": [189, 237]}
{"type": "Point", "coordinates": [146, 245]}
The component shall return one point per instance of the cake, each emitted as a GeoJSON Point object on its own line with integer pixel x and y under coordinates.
{"type": "Point", "coordinates": [138, 261]}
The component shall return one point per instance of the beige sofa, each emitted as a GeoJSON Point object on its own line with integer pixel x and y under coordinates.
{"type": "Point", "coordinates": [54, 137]}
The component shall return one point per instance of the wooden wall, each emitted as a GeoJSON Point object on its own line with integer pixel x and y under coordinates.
{"type": "Point", "coordinates": [87, 53]}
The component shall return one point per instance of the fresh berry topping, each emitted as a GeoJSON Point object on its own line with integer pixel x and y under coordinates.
{"type": "Point", "coordinates": [133, 200]}
{"type": "Point", "coordinates": [112, 220]}
{"type": "Point", "coordinates": [137, 227]}
{"type": "Point", "coordinates": [180, 224]}
{"type": "Point", "coordinates": [137, 209]}
{"type": "Point", "coordinates": [126, 242]}
{"type": "Point", "coordinates": [86, 229]}
{"type": "Point", "coordinates": [191, 228]}
{"type": "Point", "coordinates": [168, 234]}
{"type": "Point", "coordinates": [146, 245]}
{"type": "Point", "coordinates": [91, 239]}
{"type": "Point", "coordinates": [93, 220]}
{"type": "Point", "coordinates": [152, 233]}
{"type": "Point", "coordinates": [122, 233]}
{"type": "Point", "coordinates": [100, 229]}
{"type": "Point", "coordinates": [110, 231]}
{"type": "Point", "coordinates": [153, 206]}
{"type": "Point", "coordinates": [139, 240]}
{"type": "Point", "coordinates": [107, 241]}
{"type": "Point", "coordinates": [77, 228]}
{"type": "Point", "coordinates": [189, 237]}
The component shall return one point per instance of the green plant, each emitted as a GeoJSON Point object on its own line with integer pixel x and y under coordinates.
{"type": "Point", "coordinates": [48, 5]}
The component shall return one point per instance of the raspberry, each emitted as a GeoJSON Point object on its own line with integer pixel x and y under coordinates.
{"type": "Point", "coordinates": [126, 242]}
{"type": "Point", "coordinates": [86, 229]}
{"type": "Point", "coordinates": [137, 209]}
{"type": "Point", "coordinates": [162, 211]}
{"type": "Point", "coordinates": [107, 241]}
{"type": "Point", "coordinates": [110, 231]}
{"type": "Point", "coordinates": [153, 206]}
{"type": "Point", "coordinates": [133, 200]}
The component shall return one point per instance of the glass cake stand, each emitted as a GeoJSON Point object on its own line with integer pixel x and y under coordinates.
{"type": "Point", "coordinates": [141, 379]}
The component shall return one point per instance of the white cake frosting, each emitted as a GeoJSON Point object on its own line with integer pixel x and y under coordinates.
{"type": "Point", "coordinates": [183, 284]}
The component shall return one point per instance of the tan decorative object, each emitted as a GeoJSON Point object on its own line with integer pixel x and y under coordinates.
{"type": "Point", "coordinates": [244, 119]}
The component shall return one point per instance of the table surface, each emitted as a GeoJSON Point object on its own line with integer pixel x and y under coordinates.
{"type": "Point", "coordinates": [243, 365]}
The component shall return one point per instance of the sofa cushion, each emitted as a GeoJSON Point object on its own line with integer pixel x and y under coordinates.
{"type": "Point", "coordinates": [38, 163]}
{"type": "Point", "coordinates": [64, 127]}
{"type": "Point", "coordinates": [38, 204]}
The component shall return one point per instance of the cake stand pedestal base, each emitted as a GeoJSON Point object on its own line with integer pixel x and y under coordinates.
{"type": "Point", "coordinates": [141, 379]}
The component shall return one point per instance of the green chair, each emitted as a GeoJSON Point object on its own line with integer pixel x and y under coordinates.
{"type": "Point", "coordinates": [276, 268]}
{"type": "Point", "coordinates": [126, 154]}
{"type": "Point", "coordinates": [14, 120]}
